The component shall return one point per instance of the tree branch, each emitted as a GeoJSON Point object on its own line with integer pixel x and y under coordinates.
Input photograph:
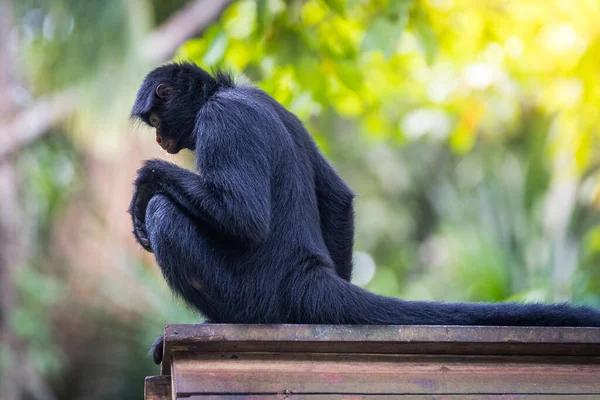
{"type": "Point", "coordinates": [158, 46]}
{"type": "Point", "coordinates": [32, 123]}
{"type": "Point", "coordinates": [192, 20]}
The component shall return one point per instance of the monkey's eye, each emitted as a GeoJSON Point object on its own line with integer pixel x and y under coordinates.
{"type": "Point", "coordinates": [154, 121]}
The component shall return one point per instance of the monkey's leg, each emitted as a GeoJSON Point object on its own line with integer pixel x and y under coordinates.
{"type": "Point", "coordinates": [337, 216]}
{"type": "Point", "coordinates": [184, 256]}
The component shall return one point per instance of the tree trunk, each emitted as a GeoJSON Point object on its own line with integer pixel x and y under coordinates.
{"type": "Point", "coordinates": [10, 244]}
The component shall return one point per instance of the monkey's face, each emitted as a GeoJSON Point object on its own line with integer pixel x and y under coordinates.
{"type": "Point", "coordinates": [171, 120]}
{"type": "Point", "coordinates": [163, 137]}
{"type": "Point", "coordinates": [169, 100]}
{"type": "Point", "coordinates": [161, 119]}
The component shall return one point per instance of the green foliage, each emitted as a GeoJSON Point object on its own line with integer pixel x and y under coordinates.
{"type": "Point", "coordinates": [459, 79]}
{"type": "Point", "coordinates": [309, 59]}
{"type": "Point", "coordinates": [48, 176]}
{"type": "Point", "coordinates": [38, 293]}
{"type": "Point", "coordinates": [65, 41]}
{"type": "Point", "coordinates": [468, 129]}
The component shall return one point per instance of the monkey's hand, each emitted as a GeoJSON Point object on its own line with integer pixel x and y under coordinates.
{"type": "Point", "coordinates": [146, 185]}
{"type": "Point", "coordinates": [137, 209]}
{"type": "Point", "coordinates": [157, 348]}
{"type": "Point", "coordinates": [140, 234]}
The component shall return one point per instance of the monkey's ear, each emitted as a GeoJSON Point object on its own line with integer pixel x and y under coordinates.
{"type": "Point", "coordinates": [163, 91]}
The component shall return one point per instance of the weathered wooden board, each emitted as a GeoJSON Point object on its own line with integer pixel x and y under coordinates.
{"type": "Point", "coordinates": [158, 388]}
{"type": "Point", "coordinates": [389, 339]}
{"type": "Point", "coordinates": [259, 362]}
{"type": "Point", "coordinates": [394, 397]}
{"type": "Point", "coordinates": [262, 373]}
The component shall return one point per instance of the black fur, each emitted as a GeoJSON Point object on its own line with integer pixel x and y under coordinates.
{"type": "Point", "coordinates": [263, 232]}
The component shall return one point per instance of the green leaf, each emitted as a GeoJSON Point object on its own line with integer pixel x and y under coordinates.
{"type": "Point", "coordinates": [261, 16]}
{"type": "Point", "coordinates": [398, 9]}
{"type": "Point", "coordinates": [349, 74]}
{"type": "Point", "coordinates": [216, 50]}
{"type": "Point", "coordinates": [336, 5]}
{"type": "Point", "coordinates": [383, 35]}
{"type": "Point", "coordinates": [425, 34]}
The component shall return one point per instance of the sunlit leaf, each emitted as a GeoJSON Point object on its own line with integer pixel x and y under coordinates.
{"type": "Point", "coordinates": [240, 19]}
{"type": "Point", "coordinates": [216, 50]}
{"type": "Point", "coordinates": [463, 138]}
{"type": "Point", "coordinates": [383, 35]}
{"type": "Point", "coordinates": [239, 54]}
{"type": "Point", "coordinates": [313, 12]}
{"type": "Point", "coordinates": [336, 5]}
{"type": "Point", "coordinates": [349, 74]}
{"type": "Point", "coordinates": [261, 15]}
{"type": "Point", "coordinates": [425, 33]}
{"type": "Point", "coordinates": [398, 8]}
{"type": "Point", "coordinates": [348, 103]}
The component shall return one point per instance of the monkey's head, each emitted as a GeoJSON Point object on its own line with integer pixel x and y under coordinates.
{"type": "Point", "coordinates": [169, 100]}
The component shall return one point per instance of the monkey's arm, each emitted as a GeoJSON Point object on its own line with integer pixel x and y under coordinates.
{"type": "Point", "coordinates": [335, 198]}
{"type": "Point", "coordinates": [232, 193]}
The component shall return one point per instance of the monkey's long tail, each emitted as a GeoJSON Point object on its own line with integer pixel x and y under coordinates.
{"type": "Point", "coordinates": [321, 297]}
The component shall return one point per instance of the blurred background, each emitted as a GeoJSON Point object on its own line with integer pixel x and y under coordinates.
{"type": "Point", "coordinates": [470, 131]}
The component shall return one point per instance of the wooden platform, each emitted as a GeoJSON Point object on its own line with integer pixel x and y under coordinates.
{"type": "Point", "coordinates": [259, 362]}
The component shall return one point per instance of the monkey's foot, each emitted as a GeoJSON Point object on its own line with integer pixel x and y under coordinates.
{"type": "Point", "coordinates": [156, 350]}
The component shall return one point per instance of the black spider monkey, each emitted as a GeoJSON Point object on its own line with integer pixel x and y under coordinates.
{"type": "Point", "coordinates": [263, 232]}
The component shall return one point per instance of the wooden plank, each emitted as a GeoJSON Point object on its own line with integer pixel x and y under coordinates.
{"type": "Point", "coordinates": [320, 396]}
{"type": "Point", "coordinates": [263, 373]}
{"type": "Point", "coordinates": [380, 333]}
{"type": "Point", "coordinates": [157, 388]}
{"type": "Point", "coordinates": [389, 339]}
